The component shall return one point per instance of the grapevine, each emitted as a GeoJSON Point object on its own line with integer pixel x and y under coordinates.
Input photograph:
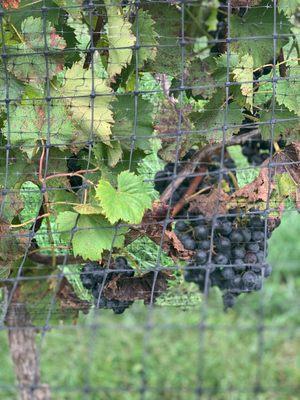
{"type": "Point", "coordinates": [92, 94]}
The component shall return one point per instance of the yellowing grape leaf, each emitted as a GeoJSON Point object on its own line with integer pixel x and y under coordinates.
{"type": "Point", "coordinates": [120, 39]}
{"type": "Point", "coordinates": [243, 73]}
{"type": "Point", "coordinates": [27, 61]}
{"type": "Point", "coordinates": [89, 114]}
{"type": "Point", "coordinates": [128, 201]}
{"type": "Point", "coordinates": [26, 124]}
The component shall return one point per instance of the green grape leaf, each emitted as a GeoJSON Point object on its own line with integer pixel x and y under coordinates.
{"type": "Point", "coordinates": [81, 31]}
{"type": "Point", "coordinates": [86, 112]}
{"type": "Point", "coordinates": [244, 174]}
{"type": "Point", "coordinates": [264, 93]}
{"type": "Point", "coordinates": [18, 168]}
{"type": "Point", "coordinates": [29, 123]}
{"type": "Point", "coordinates": [289, 7]}
{"type": "Point", "coordinates": [143, 28]}
{"type": "Point", "coordinates": [286, 123]}
{"type": "Point", "coordinates": [210, 122]}
{"type": "Point", "coordinates": [244, 73]}
{"type": "Point", "coordinates": [288, 92]}
{"type": "Point", "coordinates": [28, 8]}
{"type": "Point", "coordinates": [120, 39]}
{"type": "Point", "coordinates": [128, 201]}
{"type": "Point", "coordinates": [9, 87]}
{"type": "Point", "coordinates": [259, 23]}
{"type": "Point", "coordinates": [108, 155]}
{"type": "Point", "coordinates": [167, 25]}
{"type": "Point", "coordinates": [37, 38]}
{"type": "Point", "coordinates": [93, 235]}
{"type": "Point", "coordinates": [133, 121]}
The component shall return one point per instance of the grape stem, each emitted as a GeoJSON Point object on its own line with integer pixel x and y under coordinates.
{"type": "Point", "coordinates": [188, 199]}
{"type": "Point", "coordinates": [191, 189]}
{"type": "Point", "coordinates": [202, 155]}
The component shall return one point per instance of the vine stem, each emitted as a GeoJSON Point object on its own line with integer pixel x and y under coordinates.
{"type": "Point", "coordinates": [30, 221]}
{"type": "Point", "coordinates": [77, 173]}
{"type": "Point", "coordinates": [201, 156]}
{"type": "Point", "coordinates": [191, 189]}
{"type": "Point", "coordinates": [46, 203]}
{"type": "Point", "coordinates": [234, 180]}
{"type": "Point", "coordinates": [203, 190]}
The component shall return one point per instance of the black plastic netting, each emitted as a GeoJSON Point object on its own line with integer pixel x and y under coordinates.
{"type": "Point", "coordinates": [149, 192]}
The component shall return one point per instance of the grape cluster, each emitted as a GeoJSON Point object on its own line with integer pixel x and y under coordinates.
{"type": "Point", "coordinates": [237, 253]}
{"type": "Point", "coordinates": [164, 178]}
{"type": "Point", "coordinates": [93, 278]}
{"type": "Point", "coordinates": [257, 150]}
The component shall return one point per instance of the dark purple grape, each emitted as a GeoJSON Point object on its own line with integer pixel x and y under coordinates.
{"type": "Point", "coordinates": [256, 222]}
{"type": "Point", "coordinates": [265, 144]}
{"type": "Point", "coordinates": [223, 243]}
{"type": "Point", "coordinates": [250, 280]}
{"type": "Point", "coordinates": [247, 151]}
{"type": "Point", "coordinates": [87, 281]}
{"type": "Point", "coordinates": [236, 282]}
{"type": "Point", "coordinates": [181, 226]}
{"type": "Point", "coordinates": [124, 268]}
{"type": "Point", "coordinates": [262, 245]}
{"type": "Point", "coordinates": [228, 273]}
{"type": "Point", "coordinates": [228, 300]}
{"type": "Point", "coordinates": [236, 237]}
{"type": "Point", "coordinates": [226, 228]}
{"type": "Point", "coordinates": [256, 159]}
{"type": "Point", "coordinates": [250, 258]}
{"type": "Point", "coordinates": [220, 259]}
{"type": "Point", "coordinates": [201, 257]}
{"type": "Point", "coordinates": [238, 252]}
{"type": "Point", "coordinates": [246, 233]}
{"type": "Point", "coordinates": [204, 245]}
{"type": "Point", "coordinates": [189, 244]}
{"type": "Point", "coordinates": [200, 232]}
{"type": "Point", "coordinates": [253, 247]}
{"type": "Point", "coordinates": [183, 236]}
{"type": "Point", "coordinates": [267, 270]}
{"type": "Point", "coordinates": [257, 236]}
{"type": "Point", "coordinates": [192, 275]}
{"type": "Point", "coordinates": [260, 256]}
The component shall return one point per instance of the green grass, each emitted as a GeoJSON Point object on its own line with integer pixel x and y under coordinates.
{"type": "Point", "coordinates": [166, 351]}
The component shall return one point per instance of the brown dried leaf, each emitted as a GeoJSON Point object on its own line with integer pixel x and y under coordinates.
{"type": "Point", "coordinates": [214, 203]}
{"type": "Point", "coordinates": [258, 190]}
{"type": "Point", "coordinates": [12, 244]}
{"type": "Point", "coordinates": [167, 126]}
{"type": "Point", "coordinates": [68, 298]}
{"type": "Point", "coordinates": [137, 288]}
{"type": "Point", "coordinates": [289, 161]}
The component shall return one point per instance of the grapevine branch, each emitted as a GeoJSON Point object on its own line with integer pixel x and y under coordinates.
{"type": "Point", "coordinates": [191, 190]}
